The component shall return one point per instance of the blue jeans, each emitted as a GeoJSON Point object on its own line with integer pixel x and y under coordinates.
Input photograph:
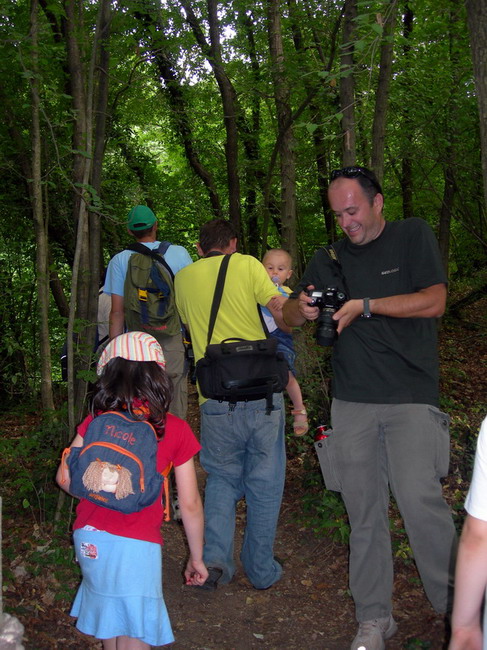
{"type": "Point", "coordinates": [243, 452]}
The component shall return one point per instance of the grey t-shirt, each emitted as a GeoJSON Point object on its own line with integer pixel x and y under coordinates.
{"type": "Point", "coordinates": [384, 360]}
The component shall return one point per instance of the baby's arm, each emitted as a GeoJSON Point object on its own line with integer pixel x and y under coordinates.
{"type": "Point", "coordinates": [63, 479]}
{"type": "Point", "coordinates": [192, 516]}
{"type": "Point", "coordinates": [275, 306]}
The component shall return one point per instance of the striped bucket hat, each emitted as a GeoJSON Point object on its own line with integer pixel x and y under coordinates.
{"type": "Point", "coordinates": [133, 346]}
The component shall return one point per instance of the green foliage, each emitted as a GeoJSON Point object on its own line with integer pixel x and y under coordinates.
{"type": "Point", "coordinates": [411, 644]}
{"type": "Point", "coordinates": [432, 106]}
{"type": "Point", "coordinates": [45, 558]}
{"type": "Point", "coordinates": [322, 510]}
{"type": "Point", "coordinates": [29, 463]}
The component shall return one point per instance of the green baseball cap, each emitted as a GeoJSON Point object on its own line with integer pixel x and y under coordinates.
{"type": "Point", "coordinates": [141, 217]}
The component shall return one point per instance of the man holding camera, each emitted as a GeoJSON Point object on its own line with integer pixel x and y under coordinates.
{"type": "Point", "coordinates": [388, 432]}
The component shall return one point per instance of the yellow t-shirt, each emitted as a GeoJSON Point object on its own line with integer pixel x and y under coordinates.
{"type": "Point", "coordinates": [246, 284]}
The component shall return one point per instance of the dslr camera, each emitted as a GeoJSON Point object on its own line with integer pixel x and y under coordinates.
{"type": "Point", "coordinates": [329, 301]}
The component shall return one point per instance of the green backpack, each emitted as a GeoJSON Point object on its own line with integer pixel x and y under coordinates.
{"type": "Point", "coordinates": [149, 301]}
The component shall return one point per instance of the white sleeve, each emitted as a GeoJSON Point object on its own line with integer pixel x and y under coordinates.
{"type": "Point", "coordinates": [476, 502]}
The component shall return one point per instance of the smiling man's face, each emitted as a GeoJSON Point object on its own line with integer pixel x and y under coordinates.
{"type": "Point", "coordinates": [360, 220]}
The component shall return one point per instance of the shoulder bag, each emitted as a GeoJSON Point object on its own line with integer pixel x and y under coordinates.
{"type": "Point", "coordinates": [237, 370]}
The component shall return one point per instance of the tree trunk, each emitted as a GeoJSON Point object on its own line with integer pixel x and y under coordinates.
{"type": "Point", "coordinates": [251, 135]}
{"type": "Point", "coordinates": [406, 178]}
{"type": "Point", "coordinates": [212, 52]}
{"type": "Point", "coordinates": [347, 84]}
{"type": "Point", "coordinates": [446, 211]}
{"type": "Point", "coordinates": [382, 94]}
{"type": "Point", "coordinates": [477, 25]}
{"type": "Point", "coordinates": [177, 102]}
{"type": "Point", "coordinates": [40, 226]}
{"type": "Point", "coordinates": [316, 111]}
{"type": "Point", "coordinates": [449, 164]}
{"type": "Point", "coordinates": [282, 98]}
{"type": "Point", "coordinates": [99, 151]}
{"type": "Point", "coordinates": [85, 275]}
{"type": "Point", "coordinates": [230, 110]}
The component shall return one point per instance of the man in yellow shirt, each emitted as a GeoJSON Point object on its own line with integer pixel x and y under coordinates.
{"type": "Point", "coordinates": [242, 447]}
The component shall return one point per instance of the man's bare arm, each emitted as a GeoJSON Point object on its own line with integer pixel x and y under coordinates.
{"type": "Point", "coordinates": [425, 303]}
{"type": "Point", "coordinates": [117, 316]}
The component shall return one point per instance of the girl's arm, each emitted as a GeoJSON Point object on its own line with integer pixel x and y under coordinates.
{"type": "Point", "coordinates": [192, 515]}
{"type": "Point", "coordinates": [63, 478]}
{"type": "Point", "coordinates": [470, 584]}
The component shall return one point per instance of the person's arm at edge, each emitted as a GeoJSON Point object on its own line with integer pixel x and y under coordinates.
{"type": "Point", "coordinates": [193, 521]}
{"type": "Point", "coordinates": [470, 584]}
{"type": "Point", "coordinates": [63, 478]}
{"type": "Point", "coordinates": [117, 316]}
{"type": "Point", "coordinates": [425, 303]}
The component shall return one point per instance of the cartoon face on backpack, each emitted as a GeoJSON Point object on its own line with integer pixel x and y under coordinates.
{"type": "Point", "coordinates": [101, 476]}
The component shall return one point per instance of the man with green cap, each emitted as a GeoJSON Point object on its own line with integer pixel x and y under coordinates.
{"type": "Point", "coordinates": [142, 224]}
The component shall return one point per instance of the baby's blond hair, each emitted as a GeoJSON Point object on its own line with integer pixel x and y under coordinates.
{"type": "Point", "coordinates": [278, 250]}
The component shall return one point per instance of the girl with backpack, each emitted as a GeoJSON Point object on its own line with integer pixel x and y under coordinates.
{"type": "Point", "coordinates": [120, 598]}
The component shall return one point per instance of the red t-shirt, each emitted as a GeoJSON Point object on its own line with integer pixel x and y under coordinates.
{"type": "Point", "coordinates": [177, 446]}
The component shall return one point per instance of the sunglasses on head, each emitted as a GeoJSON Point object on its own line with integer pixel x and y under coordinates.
{"type": "Point", "coordinates": [353, 172]}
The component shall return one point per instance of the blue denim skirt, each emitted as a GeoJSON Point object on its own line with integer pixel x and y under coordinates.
{"type": "Point", "coordinates": [121, 590]}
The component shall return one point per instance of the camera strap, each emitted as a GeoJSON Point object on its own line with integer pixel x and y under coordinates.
{"type": "Point", "coordinates": [332, 254]}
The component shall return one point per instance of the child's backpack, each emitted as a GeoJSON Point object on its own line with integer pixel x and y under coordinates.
{"type": "Point", "coordinates": [149, 301]}
{"type": "Point", "coordinates": [116, 466]}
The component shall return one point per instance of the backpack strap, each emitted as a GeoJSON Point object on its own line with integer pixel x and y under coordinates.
{"type": "Point", "coordinates": [163, 246]}
{"type": "Point", "coordinates": [167, 500]}
{"type": "Point", "coordinates": [137, 247]}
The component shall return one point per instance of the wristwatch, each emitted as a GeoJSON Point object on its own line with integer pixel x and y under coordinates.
{"type": "Point", "coordinates": [366, 313]}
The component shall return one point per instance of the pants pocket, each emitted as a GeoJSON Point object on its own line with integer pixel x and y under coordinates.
{"type": "Point", "coordinates": [324, 450]}
{"type": "Point", "coordinates": [441, 423]}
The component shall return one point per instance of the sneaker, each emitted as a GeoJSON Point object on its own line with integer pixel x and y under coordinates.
{"type": "Point", "coordinates": [372, 634]}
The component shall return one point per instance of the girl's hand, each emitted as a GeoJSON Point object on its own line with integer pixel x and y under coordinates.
{"type": "Point", "coordinates": [466, 639]}
{"type": "Point", "coordinates": [196, 572]}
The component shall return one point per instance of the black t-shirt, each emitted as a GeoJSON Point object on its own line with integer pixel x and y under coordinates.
{"type": "Point", "coordinates": [384, 360]}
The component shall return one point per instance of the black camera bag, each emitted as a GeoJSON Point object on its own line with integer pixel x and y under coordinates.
{"type": "Point", "coordinates": [237, 370]}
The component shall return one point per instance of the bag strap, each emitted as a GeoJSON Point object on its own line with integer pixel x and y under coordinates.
{"type": "Point", "coordinates": [137, 247]}
{"type": "Point", "coordinates": [263, 323]}
{"type": "Point", "coordinates": [217, 296]}
{"type": "Point", "coordinates": [336, 263]}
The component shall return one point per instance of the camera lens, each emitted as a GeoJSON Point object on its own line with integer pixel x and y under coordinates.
{"type": "Point", "coordinates": [326, 328]}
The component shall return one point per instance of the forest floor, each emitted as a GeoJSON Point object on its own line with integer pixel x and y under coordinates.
{"type": "Point", "coordinates": [309, 608]}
